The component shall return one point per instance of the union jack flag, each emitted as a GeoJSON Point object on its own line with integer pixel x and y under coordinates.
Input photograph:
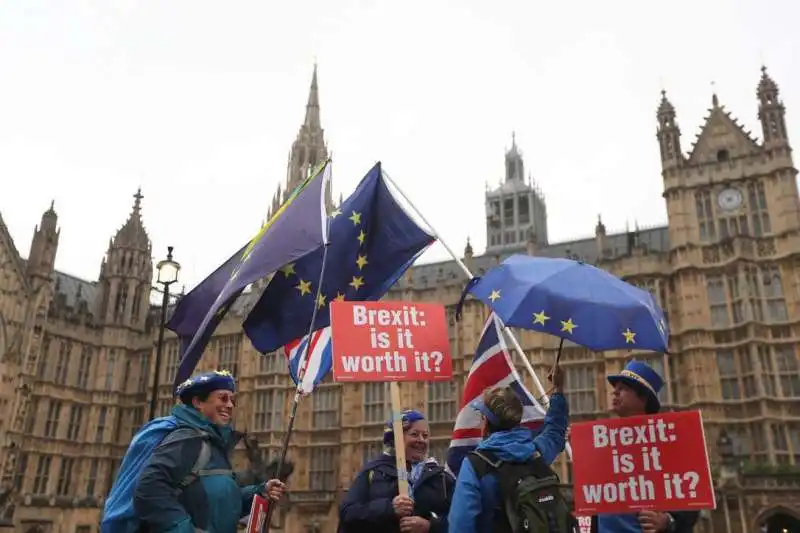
{"type": "Point", "coordinates": [491, 368]}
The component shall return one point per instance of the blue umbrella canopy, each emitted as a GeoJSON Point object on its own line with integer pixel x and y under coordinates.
{"type": "Point", "coordinates": [572, 300]}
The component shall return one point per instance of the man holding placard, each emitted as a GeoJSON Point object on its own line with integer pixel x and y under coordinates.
{"type": "Point", "coordinates": [635, 393]}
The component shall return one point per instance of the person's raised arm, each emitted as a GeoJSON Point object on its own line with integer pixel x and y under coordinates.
{"type": "Point", "coordinates": [553, 438]}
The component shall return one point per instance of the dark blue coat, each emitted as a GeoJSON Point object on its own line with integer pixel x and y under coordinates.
{"type": "Point", "coordinates": [367, 506]}
{"type": "Point", "coordinates": [212, 503]}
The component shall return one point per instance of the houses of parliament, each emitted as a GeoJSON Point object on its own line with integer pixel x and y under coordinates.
{"type": "Point", "coordinates": [77, 356]}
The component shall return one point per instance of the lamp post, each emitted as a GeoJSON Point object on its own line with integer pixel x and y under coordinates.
{"type": "Point", "coordinates": [168, 270]}
{"type": "Point", "coordinates": [728, 482]}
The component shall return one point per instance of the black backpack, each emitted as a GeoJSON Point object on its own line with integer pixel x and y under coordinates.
{"type": "Point", "coordinates": [530, 497]}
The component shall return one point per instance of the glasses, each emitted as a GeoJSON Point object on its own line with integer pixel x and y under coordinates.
{"type": "Point", "coordinates": [416, 434]}
{"type": "Point", "coordinates": [225, 397]}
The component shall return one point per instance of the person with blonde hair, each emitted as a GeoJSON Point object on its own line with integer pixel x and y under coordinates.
{"type": "Point", "coordinates": [509, 461]}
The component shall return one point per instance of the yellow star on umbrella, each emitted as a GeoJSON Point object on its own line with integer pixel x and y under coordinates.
{"type": "Point", "coordinates": [288, 270]}
{"type": "Point", "coordinates": [304, 287]}
{"type": "Point", "coordinates": [339, 297]}
{"type": "Point", "coordinates": [321, 301]}
{"type": "Point", "coordinates": [357, 282]}
{"type": "Point", "coordinates": [361, 261]}
{"type": "Point", "coordinates": [568, 325]}
{"type": "Point", "coordinates": [540, 318]}
{"type": "Point", "coordinates": [494, 296]}
{"type": "Point", "coordinates": [629, 336]}
{"type": "Point", "coordinates": [356, 218]}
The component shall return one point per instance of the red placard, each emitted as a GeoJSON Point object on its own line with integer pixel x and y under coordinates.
{"type": "Point", "coordinates": [258, 514]}
{"type": "Point", "coordinates": [656, 462]}
{"type": "Point", "coordinates": [390, 341]}
{"type": "Point", "coordinates": [584, 524]}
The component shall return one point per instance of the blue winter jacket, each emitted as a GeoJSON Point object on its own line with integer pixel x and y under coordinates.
{"type": "Point", "coordinates": [476, 500]}
{"type": "Point", "coordinates": [367, 505]}
{"type": "Point", "coordinates": [211, 504]}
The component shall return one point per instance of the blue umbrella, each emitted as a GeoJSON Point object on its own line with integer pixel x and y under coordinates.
{"type": "Point", "coordinates": [572, 300]}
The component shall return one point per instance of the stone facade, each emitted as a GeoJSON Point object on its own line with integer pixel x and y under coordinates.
{"type": "Point", "coordinates": [75, 355]}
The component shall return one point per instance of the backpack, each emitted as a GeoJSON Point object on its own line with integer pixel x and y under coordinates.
{"type": "Point", "coordinates": [531, 500]}
{"type": "Point", "coordinates": [119, 515]}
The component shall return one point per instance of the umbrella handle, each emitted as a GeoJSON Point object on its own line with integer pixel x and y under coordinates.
{"type": "Point", "coordinates": [558, 354]}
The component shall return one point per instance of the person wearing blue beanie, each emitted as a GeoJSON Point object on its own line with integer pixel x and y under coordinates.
{"type": "Point", "coordinates": [373, 504]}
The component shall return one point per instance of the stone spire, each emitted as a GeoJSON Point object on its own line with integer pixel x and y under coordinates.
{"type": "Point", "coordinates": [132, 234]}
{"type": "Point", "coordinates": [44, 246]}
{"type": "Point", "coordinates": [126, 273]}
{"type": "Point", "coordinates": [771, 112]}
{"type": "Point", "coordinates": [313, 121]}
{"type": "Point", "coordinates": [668, 134]}
{"type": "Point", "coordinates": [308, 150]}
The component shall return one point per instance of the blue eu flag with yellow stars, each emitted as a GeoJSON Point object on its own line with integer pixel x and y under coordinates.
{"type": "Point", "coordinates": [574, 301]}
{"type": "Point", "coordinates": [298, 228]}
{"type": "Point", "coordinates": [372, 243]}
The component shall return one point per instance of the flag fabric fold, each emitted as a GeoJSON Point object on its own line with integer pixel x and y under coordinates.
{"type": "Point", "coordinates": [491, 368]}
{"type": "Point", "coordinates": [315, 360]}
{"type": "Point", "coordinates": [298, 228]}
{"type": "Point", "coordinates": [373, 241]}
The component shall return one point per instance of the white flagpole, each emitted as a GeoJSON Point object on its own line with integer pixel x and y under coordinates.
{"type": "Point", "coordinates": [509, 334]}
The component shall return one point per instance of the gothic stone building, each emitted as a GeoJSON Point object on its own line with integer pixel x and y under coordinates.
{"type": "Point", "coordinates": [75, 355]}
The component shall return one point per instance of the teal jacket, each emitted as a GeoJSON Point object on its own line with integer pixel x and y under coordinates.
{"type": "Point", "coordinates": [211, 504]}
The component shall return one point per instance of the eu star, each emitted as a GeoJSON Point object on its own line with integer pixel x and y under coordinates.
{"type": "Point", "coordinates": [361, 261]}
{"type": "Point", "coordinates": [629, 336]}
{"type": "Point", "coordinates": [321, 300]}
{"type": "Point", "coordinates": [356, 218]}
{"type": "Point", "coordinates": [288, 270]}
{"type": "Point", "coordinates": [357, 282]}
{"type": "Point", "coordinates": [304, 287]}
{"type": "Point", "coordinates": [568, 326]}
{"type": "Point", "coordinates": [540, 318]}
{"type": "Point", "coordinates": [339, 297]}
{"type": "Point", "coordinates": [494, 296]}
{"type": "Point", "coordinates": [361, 237]}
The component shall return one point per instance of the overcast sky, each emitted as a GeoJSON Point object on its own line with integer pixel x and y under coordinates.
{"type": "Point", "coordinates": [198, 102]}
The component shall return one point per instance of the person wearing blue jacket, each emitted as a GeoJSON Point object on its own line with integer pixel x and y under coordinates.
{"type": "Point", "coordinates": [635, 393]}
{"type": "Point", "coordinates": [213, 502]}
{"type": "Point", "coordinates": [372, 504]}
{"type": "Point", "coordinates": [476, 500]}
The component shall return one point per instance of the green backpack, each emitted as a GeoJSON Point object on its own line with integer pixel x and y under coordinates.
{"type": "Point", "coordinates": [531, 500]}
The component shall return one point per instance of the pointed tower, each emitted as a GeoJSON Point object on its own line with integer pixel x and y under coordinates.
{"type": "Point", "coordinates": [309, 149]}
{"type": "Point", "coordinates": [771, 112]}
{"type": "Point", "coordinates": [515, 167]}
{"type": "Point", "coordinates": [516, 210]}
{"type": "Point", "coordinates": [44, 246]}
{"type": "Point", "coordinates": [669, 135]}
{"type": "Point", "coordinates": [126, 274]}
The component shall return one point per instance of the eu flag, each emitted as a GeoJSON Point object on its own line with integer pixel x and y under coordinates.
{"type": "Point", "coordinates": [296, 229]}
{"type": "Point", "coordinates": [192, 308]}
{"type": "Point", "coordinates": [373, 241]}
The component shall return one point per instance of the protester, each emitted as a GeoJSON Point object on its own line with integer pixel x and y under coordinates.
{"type": "Point", "coordinates": [635, 392]}
{"type": "Point", "coordinates": [211, 500]}
{"type": "Point", "coordinates": [477, 503]}
{"type": "Point", "coordinates": [372, 503]}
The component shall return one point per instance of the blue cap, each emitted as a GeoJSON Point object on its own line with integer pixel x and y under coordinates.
{"type": "Point", "coordinates": [206, 382]}
{"type": "Point", "coordinates": [641, 376]}
{"type": "Point", "coordinates": [408, 416]}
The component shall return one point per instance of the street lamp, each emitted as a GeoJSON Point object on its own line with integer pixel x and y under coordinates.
{"type": "Point", "coordinates": [168, 270]}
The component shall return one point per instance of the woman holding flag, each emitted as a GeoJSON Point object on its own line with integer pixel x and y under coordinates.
{"type": "Point", "coordinates": [372, 502]}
